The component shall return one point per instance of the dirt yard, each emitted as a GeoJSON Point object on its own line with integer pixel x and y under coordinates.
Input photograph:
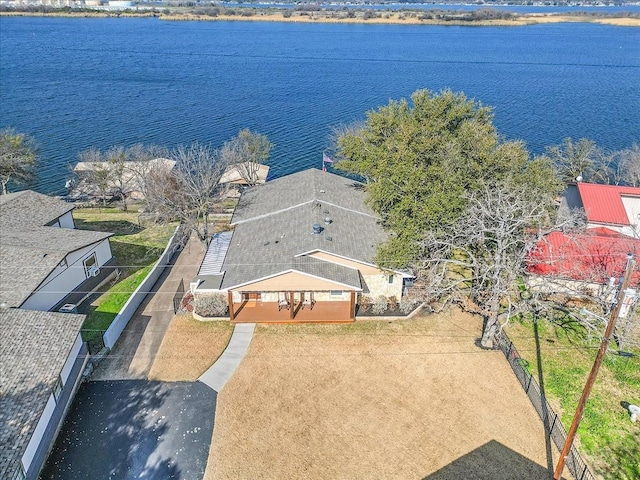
{"type": "Point", "coordinates": [413, 399]}
{"type": "Point", "coordinates": [188, 348]}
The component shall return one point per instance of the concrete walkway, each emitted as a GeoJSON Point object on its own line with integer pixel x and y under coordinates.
{"type": "Point", "coordinates": [220, 372]}
{"type": "Point", "coordinates": [136, 349]}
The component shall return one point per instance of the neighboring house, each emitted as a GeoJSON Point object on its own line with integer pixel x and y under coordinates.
{"type": "Point", "coordinates": [591, 260]}
{"type": "Point", "coordinates": [238, 174]}
{"type": "Point", "coordinates": [130, 180]}
{"type": "Point", "coordinates": [44, 261]}
{"type": "Point", "coordinates": [42, 358]}
{"type": "Point", "coordinates": [595, 255]}
{"type": "Point", "coordinates": [611, 206]}
{"type": "Point", "coordinates": [301, 250]}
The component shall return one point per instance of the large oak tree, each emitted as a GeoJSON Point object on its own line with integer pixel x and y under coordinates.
{"type": "Point", "coordinates": [421, 158]}
{"type": "Point", "coordinates": [462, 206]}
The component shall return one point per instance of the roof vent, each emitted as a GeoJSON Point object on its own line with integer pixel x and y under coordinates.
{"type": "Point", "coordinates": [321, 191]}
{"type": "Point", "coordinates": [317, 228]}
{"type": "Point", "coordinates": [329, 238]}
{"type": "Point", "coordinates": [327, 220]}
{"type": "Point", "coordinates": [266, 243]}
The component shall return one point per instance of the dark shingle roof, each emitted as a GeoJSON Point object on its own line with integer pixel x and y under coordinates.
{"type": "Point", "coordinates": [29, 250]}
{"type": "Point", "coordinates": [33, 349]}
{"type": "Point", "coordinates": [21, 209]}
{"type": "Point", "coordinates": [267, 241]}
{"type": "Point", "coordinates": [299, 188]}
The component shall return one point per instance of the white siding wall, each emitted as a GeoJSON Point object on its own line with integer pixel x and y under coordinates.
{"type": "Point", "coordinates": [64, 280]}
{"type": "Point", "coordinates": [73, 355]}
{"type": "Point", "coordinates": [632, 207]}
{"type": "Point", "coordinates": [66, 221]}
{"type": "Point", "coordinates": [36, 438]}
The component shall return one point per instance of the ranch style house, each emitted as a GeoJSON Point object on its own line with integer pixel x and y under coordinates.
{"type": "Point", "coordinates": [301, 250]}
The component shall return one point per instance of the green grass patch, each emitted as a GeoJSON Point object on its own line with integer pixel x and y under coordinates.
{"type": "Point", "coordinates": [135, 248]}
{"type": "Point", "coordinates": [606, 437]}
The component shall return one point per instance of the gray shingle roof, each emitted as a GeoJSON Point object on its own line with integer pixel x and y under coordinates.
{"type": "Point", "coordinates": [298, 188]}
{"type": "Point", "coordinates": [29, 250]}
{"type": "Point", "coordinates": [21, 209]}
{"type": "Point", "coordinates": [266, 242]}
{"type": "Point", "coordinates": [33, 349]}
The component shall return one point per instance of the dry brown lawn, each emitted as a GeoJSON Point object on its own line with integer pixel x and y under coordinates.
{"type": "Point", "coordinates": [375, 400]}
{"type": "Point", "coordinates": [189, 348]}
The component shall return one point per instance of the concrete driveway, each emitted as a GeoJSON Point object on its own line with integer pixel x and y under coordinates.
{"type": "Point", "coordinates": [135, 429]}
{"type": "Point", "coordinates": [135, 351]}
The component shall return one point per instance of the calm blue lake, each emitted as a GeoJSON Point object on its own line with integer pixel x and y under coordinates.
{"type": "Point", "coordinates": [79, 83]}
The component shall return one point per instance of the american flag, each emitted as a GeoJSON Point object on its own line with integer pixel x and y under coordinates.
{"type": "Point", "coordinates": [325, 159]}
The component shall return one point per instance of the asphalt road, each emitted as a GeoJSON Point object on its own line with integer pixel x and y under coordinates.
{"type": "Point", "coordinates": [135, 429]}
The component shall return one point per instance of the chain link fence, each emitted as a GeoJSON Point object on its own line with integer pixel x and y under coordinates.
{"type": "Point", "coordinates": [574, 462]}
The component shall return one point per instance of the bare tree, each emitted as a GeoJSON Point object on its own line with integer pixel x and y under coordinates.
{"type": "Point", "coordinates": [187, 192]}
{"type": "Point", "coordinates": [574, 159]}
{"type": "Point", "coordinates": [246, 152]}
{"type": "Point", "coordinates": [117, 172]}
{"type": "Point", "coordinates": [582, 272]}
{"type": "Point", "coordinates": [18, 156]}
{"type": "Point", "coordinates": [629, 163]}
{"type": "Point", "coordinates": [481, 260]}
{"type": "Point", "coordinates": [97, 177]}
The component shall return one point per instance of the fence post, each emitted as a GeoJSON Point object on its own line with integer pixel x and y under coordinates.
{"type": "Point", "coordinates": [584, 470]}
{"type": "Point", "coordinates": [555, 417]}
{"type": "Point", "coordinates": [530, 378]}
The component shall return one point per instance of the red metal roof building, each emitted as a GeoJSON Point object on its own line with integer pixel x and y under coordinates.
{"type": "Point", "coordinates": [604, 204]}
{"type": "Point", "coordinates": [594, 255]}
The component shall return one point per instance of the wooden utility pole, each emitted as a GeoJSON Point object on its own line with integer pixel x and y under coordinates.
{"type": "Point", "coordinates": [594, 370]}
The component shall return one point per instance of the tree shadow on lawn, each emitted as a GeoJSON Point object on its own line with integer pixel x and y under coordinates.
{"type": "Point", "coordinates": [117, 227]}
{"type": "Point", "coordinates": [491, 461]}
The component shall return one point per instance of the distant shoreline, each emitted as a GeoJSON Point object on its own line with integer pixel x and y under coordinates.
{"type": "Point", "coordinates": [337, 17]}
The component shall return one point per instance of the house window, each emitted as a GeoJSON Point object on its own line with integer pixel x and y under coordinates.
{"type": "Point", "coordinates": [251, 296]}
{"type": "Point", "coordinates": [336, 293]}
{"type": "Point", "coordinates": [91, 265]}
{"type": "Point", "coordinates": [57, 389]}
{"type": "Point", "coordinates": [390, 279]}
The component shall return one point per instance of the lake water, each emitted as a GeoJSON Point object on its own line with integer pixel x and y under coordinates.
{"type": "Point", "coordinates": [79, 83]}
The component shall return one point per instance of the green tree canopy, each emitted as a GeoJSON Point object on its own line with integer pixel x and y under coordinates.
{"type": "Point", "coordinates": [17, 158]}
{"type": "Point", "coordinates": [421, 159]}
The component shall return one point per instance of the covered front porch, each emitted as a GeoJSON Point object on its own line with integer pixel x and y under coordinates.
{"type": "Point", "coordinates": [291, 307]}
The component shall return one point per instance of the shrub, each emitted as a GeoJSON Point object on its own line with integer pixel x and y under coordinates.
{"type": "Point", "coordinates": [380, 305]}
{"type": "Point", "coordinates": [392, 302]}
{"type": "Point", "coordinates": [214, 305]}
{"type": "Point", "coordinates": [407, 307]}
{"type": "Point", "coordinates": [365, 303]}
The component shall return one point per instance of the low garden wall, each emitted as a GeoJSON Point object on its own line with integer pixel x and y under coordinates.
{"type": "Point", "coordinates": [122, 319]}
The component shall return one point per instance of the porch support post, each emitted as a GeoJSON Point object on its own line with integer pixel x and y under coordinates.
{"type": "Point", "coordinates": [292, 306]}
{"type": "Point", "coordinates": [231, 313]}
{"type": "Point", "coordinates": [352, 306]}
